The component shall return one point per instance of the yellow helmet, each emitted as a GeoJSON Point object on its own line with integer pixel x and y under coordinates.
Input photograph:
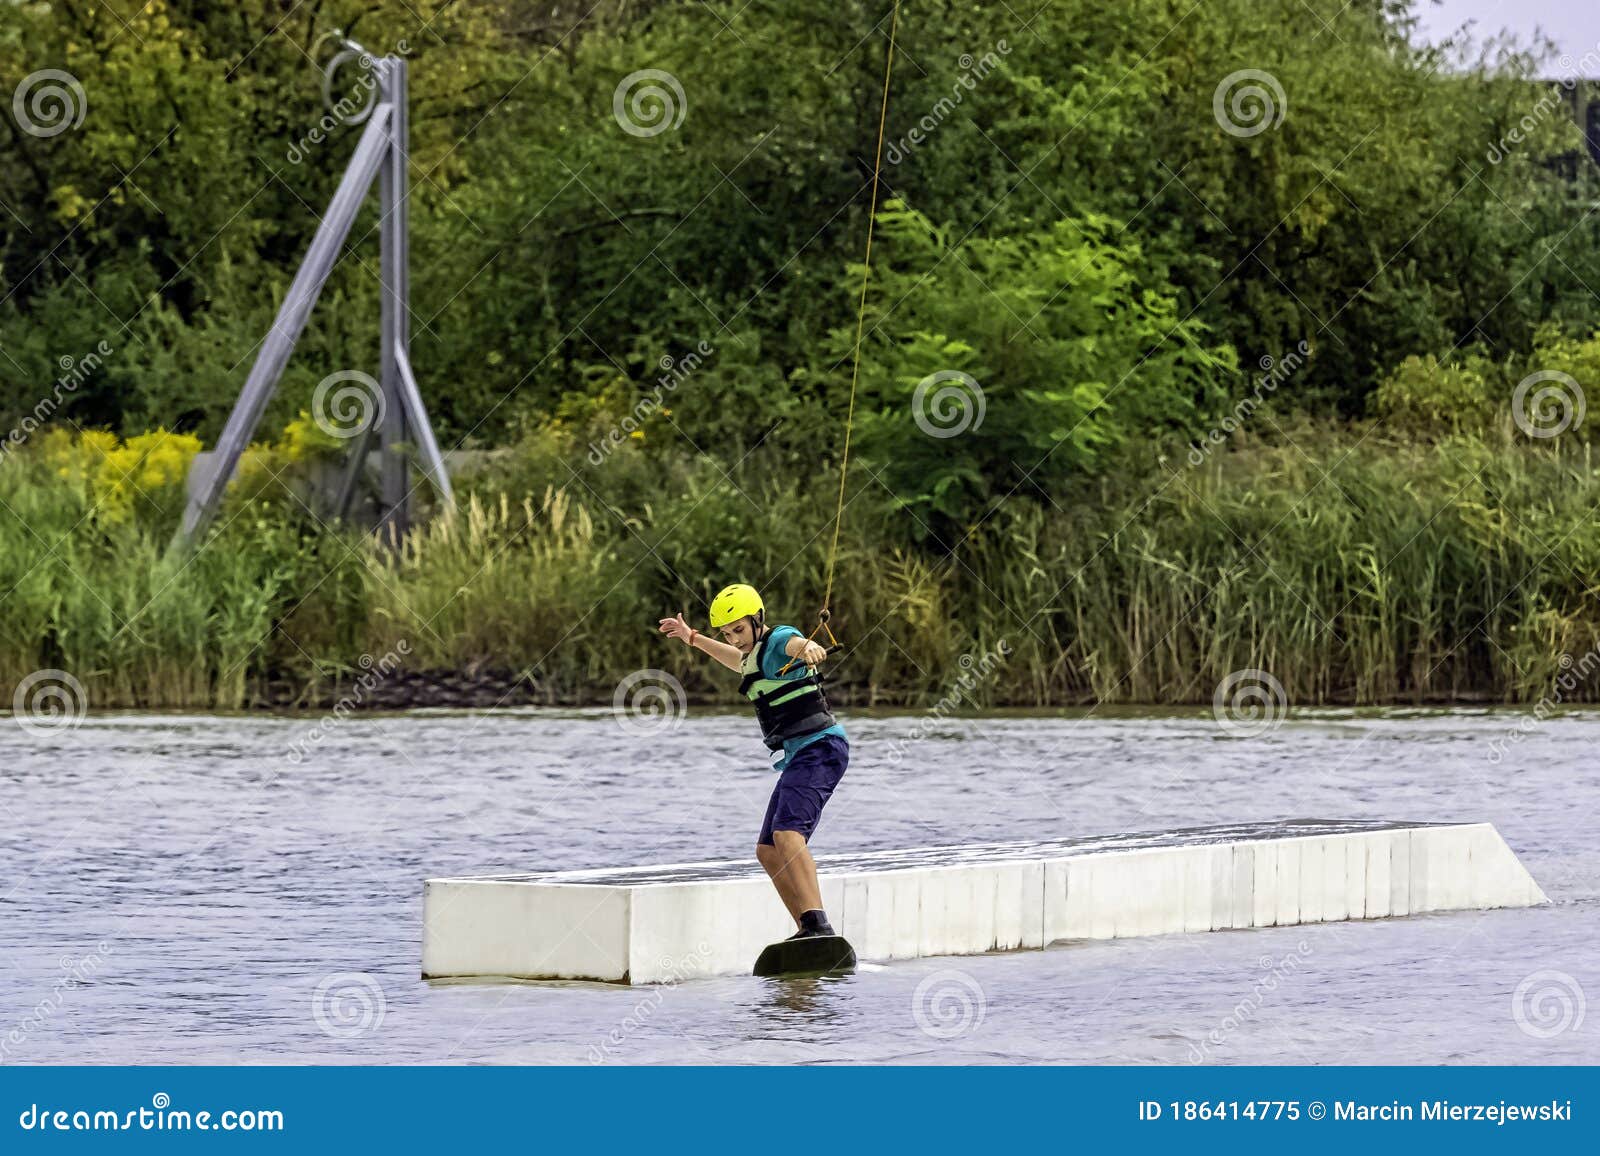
{"type": "Point", "coordinates": [733, 603]}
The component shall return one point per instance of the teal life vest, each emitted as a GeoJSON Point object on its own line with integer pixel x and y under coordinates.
{"type": "Point", "coordinates": [786, 707]}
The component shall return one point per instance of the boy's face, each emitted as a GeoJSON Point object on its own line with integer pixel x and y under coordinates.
{"type": "Point", "coordinates": [740, 634]}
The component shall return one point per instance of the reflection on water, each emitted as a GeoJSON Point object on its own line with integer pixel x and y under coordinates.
{"type": "Point", "coordinates": [176, 889]}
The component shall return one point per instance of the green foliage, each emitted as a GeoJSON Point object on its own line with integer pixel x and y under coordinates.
{"type": "Point", "coordinates": [1020, 363]}
{"type": "Point", "coordinates": [1404, 206]}
{"type": "Point", "coordinates": [1090, 244]}
{"type": "Point", "coordinates": [1427, 397]}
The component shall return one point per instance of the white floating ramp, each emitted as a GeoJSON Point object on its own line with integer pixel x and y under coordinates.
{"type": "Point", "coordinates": [664, 924]}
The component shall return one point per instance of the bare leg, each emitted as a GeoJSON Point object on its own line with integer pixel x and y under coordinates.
{"type": "Point", "coordinates": [793, 872]}
{"type": "Point", "coordinates": [772, 862]}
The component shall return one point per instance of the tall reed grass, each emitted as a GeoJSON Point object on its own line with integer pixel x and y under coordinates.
{"type": "Point", "coordinates": [1354, 569]}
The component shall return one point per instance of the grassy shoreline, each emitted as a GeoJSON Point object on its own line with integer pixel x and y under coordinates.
{"type": "Point", "coordinates": [1353, 569]}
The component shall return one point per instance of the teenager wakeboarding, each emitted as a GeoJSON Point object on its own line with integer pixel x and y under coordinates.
{"type": "Point", "coordinates": [779, 668]}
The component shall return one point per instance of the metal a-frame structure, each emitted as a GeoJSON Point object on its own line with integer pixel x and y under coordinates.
{"type": "Point", "coordinates": [381, 154]}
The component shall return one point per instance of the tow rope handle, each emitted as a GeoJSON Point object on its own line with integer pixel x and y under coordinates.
{"type": "Point", "coordinates": [833, 643]}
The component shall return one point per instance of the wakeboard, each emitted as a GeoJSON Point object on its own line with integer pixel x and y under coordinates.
{"type": "Point", "coordinates": [814, 955]}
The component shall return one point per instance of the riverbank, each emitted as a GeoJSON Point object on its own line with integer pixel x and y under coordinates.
{"type": "Point", "coordinates": [1350, 567]}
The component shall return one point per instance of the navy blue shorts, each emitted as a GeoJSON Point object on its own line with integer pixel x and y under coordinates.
{"type": "Point", "coordinates": [804, 786]}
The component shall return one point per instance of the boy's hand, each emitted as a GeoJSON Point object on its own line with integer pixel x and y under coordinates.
{"type": "Point", "coordinates": [676, 627]}
{"type": "Point", "coordinates": [812, 653]}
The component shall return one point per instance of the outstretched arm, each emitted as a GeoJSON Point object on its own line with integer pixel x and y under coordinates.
{"type": "Point", "coordinates": [808, 652]}
{"type": "Point", "coordinates": [676, 627]}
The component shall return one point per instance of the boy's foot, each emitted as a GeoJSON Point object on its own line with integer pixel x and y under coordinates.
{"type": "Point", "coordinates": [812, 924]}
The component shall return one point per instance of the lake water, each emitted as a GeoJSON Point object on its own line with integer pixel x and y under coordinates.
{"type": "Point", "coordinates": [177, 890]}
